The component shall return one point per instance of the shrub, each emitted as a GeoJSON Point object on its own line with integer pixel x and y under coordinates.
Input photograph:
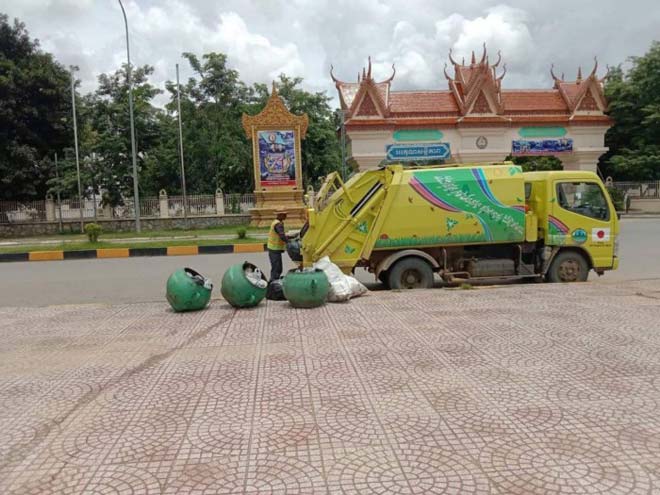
{"type": "Point", "coordinates": [617, 198]}
{"type": "Point", "coordinates": [93, 231]}
{"type": "Point", "coordinates": [241, 233]}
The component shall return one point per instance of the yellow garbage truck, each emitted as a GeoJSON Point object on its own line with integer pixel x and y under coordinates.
{"type": "Point", "coordinates": [465, 222]}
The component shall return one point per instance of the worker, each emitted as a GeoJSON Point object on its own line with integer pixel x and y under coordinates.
{"type": "Point", "coordinates": [277, 240]}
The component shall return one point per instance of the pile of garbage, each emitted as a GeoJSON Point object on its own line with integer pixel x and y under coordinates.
{"type": "Point", "coordinates": [244, 286]}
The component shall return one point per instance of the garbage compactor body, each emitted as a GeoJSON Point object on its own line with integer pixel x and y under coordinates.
{"type": "Point", "coordinates": [187, 290]}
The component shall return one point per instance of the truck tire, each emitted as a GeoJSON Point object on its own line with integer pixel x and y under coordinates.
{"type": "Point", "coordinates": [384, 278]}
{"type": "Point", "coordinates": [568, 266]}
{"type": "Point", "coordinates": [411, 273]}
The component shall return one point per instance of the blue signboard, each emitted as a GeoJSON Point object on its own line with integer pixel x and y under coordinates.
{"type": "Point", "coordinates": [418, 151]}
{"type": "Point", "coordinates": [541, 146]}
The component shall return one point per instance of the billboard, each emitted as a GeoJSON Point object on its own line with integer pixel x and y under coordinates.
{"type": "Point", "coordinates": [277, 158]}
{"type": "Point", "coordinates": [522, 147]}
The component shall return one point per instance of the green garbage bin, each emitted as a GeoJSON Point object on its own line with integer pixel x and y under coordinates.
{"type": "Point", "coordinates": [238, 290]}
{"type": "Point", "coordinates": [306, 289]}
{"type": "Point", "coordinates": [187, 290]}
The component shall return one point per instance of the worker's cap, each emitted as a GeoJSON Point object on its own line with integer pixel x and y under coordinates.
{"type": "Point", "coordinates": [280, 211]}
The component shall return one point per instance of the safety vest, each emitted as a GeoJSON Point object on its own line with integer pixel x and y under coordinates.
{"type": "Point", "coordinates": [274, 241]}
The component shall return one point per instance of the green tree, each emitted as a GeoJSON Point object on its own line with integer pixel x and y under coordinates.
{"type": "Point", "coordinates": [108, 139]}
{"type": "Point", "coordinates": [216, 150]}
{"type": "Point", "coordinates": [536, 163]}
{"type": "Point", "coordinates": [35, 113]}
{"type": "Point", "coordinates": [634, 105]}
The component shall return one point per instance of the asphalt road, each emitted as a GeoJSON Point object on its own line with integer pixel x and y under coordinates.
{"type": "Point", "coordinates": [143, 279]}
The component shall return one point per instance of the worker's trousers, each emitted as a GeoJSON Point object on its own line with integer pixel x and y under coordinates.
{"type": "Point", "coordinates": [275, 258]}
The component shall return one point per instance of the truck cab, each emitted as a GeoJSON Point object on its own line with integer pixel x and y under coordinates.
{"type": "Point", "coordinates": [575, 215]}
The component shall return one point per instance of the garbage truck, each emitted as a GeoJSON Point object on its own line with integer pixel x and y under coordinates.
{"type": "Point", "coordinates": [463, 222]}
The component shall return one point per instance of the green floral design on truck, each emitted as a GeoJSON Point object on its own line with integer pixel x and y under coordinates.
{"type": "Point", "coordinates": [467, 191]}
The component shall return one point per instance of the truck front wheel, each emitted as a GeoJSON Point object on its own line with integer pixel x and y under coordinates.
{"type": "Point", "coordinates": [568, 266]}
{"type": "Point", "coordinates": [411, 273]}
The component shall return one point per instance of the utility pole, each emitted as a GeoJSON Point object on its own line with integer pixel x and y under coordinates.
{"type": "Point", "coordinates": [136, 194]}
{"type": "Point", "coordinates": [343, 146]}
{"type": "Point", "coordinates": [183, 170]}
{"type": "Point", "coordinates": [75, 142]}
{"type": "Point", "coordinates": [59, 200]}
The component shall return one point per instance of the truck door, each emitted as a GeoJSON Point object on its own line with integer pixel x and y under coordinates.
{"type": "Point", "coordinates": [583, 211]}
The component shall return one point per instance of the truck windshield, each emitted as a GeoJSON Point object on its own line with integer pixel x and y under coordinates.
{"type": "Point", "coordinates": [583, 198]}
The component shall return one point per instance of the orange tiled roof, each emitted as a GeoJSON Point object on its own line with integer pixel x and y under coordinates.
{"type": "Point", "coordinates": [422, 101]}
{"type": "Point", "coordinates": [533, 101]}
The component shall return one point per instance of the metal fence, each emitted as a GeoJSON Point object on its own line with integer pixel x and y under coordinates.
{"type": "Point", "coordinates": [22, 211]}
{"type": "Point", "coordinates": [150, 207]}
{"type": "Point", "coordinates": [641, 190]}
{"type": "Point", "coordinates": [238, 203]}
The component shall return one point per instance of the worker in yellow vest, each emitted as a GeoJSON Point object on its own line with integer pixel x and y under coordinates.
{"type": "Point", "coordinates": [277, 240]}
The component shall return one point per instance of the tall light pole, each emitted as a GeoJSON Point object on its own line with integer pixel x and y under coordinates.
{"type": "Point", "coordinates": [343, 145]}
{"type": "Point", "coordinates": [75, 143]}
{"type": "Point", "coordinates": [136, 194]}
{"type": "Point", "coordinates": [183, 170]}
{"type": "Point", "coordinates": [59, 199]}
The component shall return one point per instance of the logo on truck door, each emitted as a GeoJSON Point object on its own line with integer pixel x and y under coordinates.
{"type": "Point", "coordinates": [579, 236]}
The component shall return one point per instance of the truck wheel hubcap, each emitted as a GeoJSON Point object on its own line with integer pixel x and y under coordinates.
{"type": "Point", "coordinates": [569, 271]}
{"type": "Point", "coordinates": [411, 279]}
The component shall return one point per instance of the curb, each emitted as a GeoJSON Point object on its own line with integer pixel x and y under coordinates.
{"type": "Point", "coordinates": [132, 252]}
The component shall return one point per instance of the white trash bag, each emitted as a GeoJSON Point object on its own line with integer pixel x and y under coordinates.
{"type": "Point", "coordinates": [342, 287]}
{"type": "Point", "coordinates": [255, 277]}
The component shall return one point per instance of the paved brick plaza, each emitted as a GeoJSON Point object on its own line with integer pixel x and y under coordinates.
{"type": "Point", "coordinates": [522, 389]}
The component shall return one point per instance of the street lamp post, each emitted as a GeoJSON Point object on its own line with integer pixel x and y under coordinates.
{"type": "Point", "coordinates": [59, 199]}
{"type": "Point", "coordinates": [136, 194]}
{"type": "Point", "coordinates": [75, 143]}
{"type": "Point", "coordinates": [343, 146]}
{"type": "Point", "coordinates": [183, 170]}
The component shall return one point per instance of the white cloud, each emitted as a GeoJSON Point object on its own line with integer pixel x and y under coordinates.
{"type": "Point", "coordinates": [302, 37]}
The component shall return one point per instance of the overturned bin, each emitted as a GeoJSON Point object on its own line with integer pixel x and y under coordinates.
{"type": "Point", "coordinates": [187, 290]}
{"type": "Point", "coordinates": [243, 285]}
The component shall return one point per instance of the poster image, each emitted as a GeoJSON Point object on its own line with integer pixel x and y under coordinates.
{"type": "Point", "coordinates": [277, 158]}
{"type": "Point", "coordinates": [541, 146]}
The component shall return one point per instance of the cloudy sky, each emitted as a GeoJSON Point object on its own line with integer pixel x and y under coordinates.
{"type": "Point", "coordinates": [303, 37]}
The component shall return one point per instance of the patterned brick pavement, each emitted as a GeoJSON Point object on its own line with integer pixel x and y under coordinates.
{"type": "Point", "coordinates": [523, 389]}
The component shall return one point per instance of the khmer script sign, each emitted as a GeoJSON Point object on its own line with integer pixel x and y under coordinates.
{"type": "Point", "coordinates": [418, 151]}
{"type": "Point", "coordinates": [523, 147]}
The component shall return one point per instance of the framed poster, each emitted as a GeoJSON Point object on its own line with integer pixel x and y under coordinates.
{"type": "Point", "coordinates": [277, 157]}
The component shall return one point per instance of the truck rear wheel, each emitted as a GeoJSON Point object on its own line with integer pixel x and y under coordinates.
{"type": "Point", "coordinates": [411, 273]}
{"type": "Point", "coordinates": [384, 278]}
{"type": "Point", "coordinates": [568, 266]}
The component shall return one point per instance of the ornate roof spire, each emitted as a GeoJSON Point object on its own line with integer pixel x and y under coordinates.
{"type": "Point", "coordinates": [554, 77]}
{"type": "Point", "coordinates": [503, 73]}
{"type": "Point", "coordinates": [579, 74]}
{"type": "Point", "coordinates": [593, 72]}
{"type": "Point", "coordinates": [451, 59]}
{"type": "Point", "coordinates": [389, 79]}
{"type": "Point", "coordinates": [369, 69]}
{"type": "Point", "coordinates": [499, 59]}
{"type": "Point", "coordinates": [445, 71]}
{"type": "Point", "coordinates": [483, 57]}
{"type": "Point", "coordinates": [474, 59]}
